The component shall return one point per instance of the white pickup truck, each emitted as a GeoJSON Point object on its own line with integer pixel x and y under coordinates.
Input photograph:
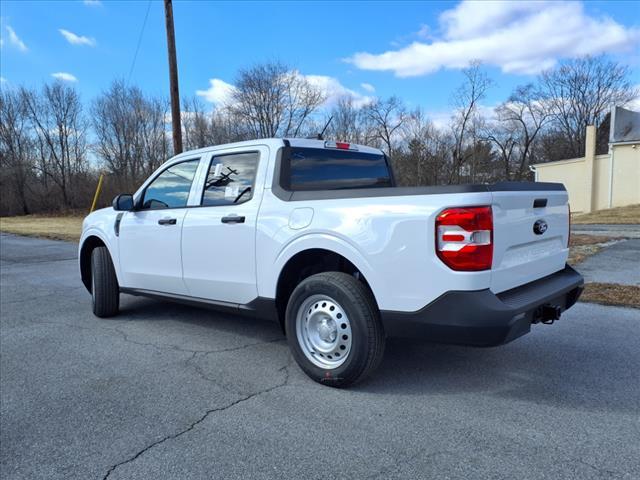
{"type": "Point", "coordinates": [315, 235]}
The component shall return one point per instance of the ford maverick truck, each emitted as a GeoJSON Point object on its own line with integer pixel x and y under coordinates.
{"type": "Point", "coordinates": [316, 235]}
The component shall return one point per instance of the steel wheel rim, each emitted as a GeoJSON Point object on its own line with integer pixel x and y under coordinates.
{"type": "Point", "coordinates": [323, 330]}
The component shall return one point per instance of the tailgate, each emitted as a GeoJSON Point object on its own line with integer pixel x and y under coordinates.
{"type": "Point", "coordinates": [523, 249]}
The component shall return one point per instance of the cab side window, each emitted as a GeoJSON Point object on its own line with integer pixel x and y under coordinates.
{"type": "Point", "coordinates": [230, 179]}
{"type": "Point", "coordinates": [171, 188]}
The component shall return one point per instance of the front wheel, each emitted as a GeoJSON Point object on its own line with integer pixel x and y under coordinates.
{"type": "Point", "coordinates": [333, 329]}
{"type": "Point", "coordinates": [105, 292]}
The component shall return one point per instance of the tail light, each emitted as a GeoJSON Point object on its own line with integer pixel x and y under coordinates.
{"type": "Point", "coordinates": [464, 238]}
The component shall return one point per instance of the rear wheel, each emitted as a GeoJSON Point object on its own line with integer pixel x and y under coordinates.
{"type": "Point", "coordinates": [334, 329]}
{"type": "Point", "coordinates": [105, 292]}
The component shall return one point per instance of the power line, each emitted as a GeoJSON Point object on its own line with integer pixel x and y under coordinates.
{"type": "Point", "coordinates": [135, 56]}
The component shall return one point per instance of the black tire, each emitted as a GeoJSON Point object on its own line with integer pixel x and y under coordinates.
{"type": "Point", "coordinates": [368, 339]}
{"type": "Point", "coordinates": [105, 291]}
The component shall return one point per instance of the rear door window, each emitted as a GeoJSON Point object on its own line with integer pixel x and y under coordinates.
{"type": "Point", "coordinates": [328, 169]}
{"type": "Point", "coordinates": [230, 179]}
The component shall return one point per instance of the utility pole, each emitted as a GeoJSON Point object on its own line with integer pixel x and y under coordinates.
{"type": "Point", "coordinates": [173, 79]}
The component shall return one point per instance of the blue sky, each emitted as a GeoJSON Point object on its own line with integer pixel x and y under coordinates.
{"type": "Point", "coordinates": [411, 49]}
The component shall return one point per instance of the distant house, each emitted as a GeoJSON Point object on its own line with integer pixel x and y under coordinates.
{"type": "Point", "coordinates": [595, 182]}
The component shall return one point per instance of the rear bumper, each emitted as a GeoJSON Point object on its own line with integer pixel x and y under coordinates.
{"type": "Point", "coordinates": [483, 318]}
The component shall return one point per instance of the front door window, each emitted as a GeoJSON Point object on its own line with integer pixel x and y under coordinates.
{"type": "Point", "coordinates": [171, 188]}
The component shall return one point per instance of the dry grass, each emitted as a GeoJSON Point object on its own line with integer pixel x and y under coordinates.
{"type": "Point", "coordinates": [583, 246]}
{"type": "Point", "coordinates": [579, 240]}
{"type": "Point", "coordinates": [44, 226]}
{"type": "Point", "coordinates": [579, 254]}
{"type": "Point", "coordinates": [612, 294]}
{"type": "Point", "coordinates": [623, 215]}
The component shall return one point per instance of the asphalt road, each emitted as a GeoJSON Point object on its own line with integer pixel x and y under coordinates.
{"type": "Point", "coordinates": [166, 391]}
{"type": "Point", "coordinates": [627, 231]}
{"type": "Point", "coordinates": [617, 263]}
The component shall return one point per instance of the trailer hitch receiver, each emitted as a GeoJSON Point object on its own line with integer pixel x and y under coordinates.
{"type": "Point", "coordinates": [548, 314]}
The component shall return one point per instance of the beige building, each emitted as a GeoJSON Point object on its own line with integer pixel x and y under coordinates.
{"type": "Point", "coordinates": [595, 182]}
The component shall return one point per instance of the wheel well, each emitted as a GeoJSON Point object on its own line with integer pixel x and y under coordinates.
{"type": "Point", "coordinates": [307, 263]}
{"type": "Point", "coordinates": [85, 259]}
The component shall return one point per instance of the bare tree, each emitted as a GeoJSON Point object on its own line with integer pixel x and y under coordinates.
{"type": "Point", "coordinates": [346, 121]}
{"type": "Point", "coordinates": [56, 117]}
{"type": "Point", "coordinates": [131, 132]}
{"type": "Point", "coordinates": [155, 141]}
{"type": "Point", "coordinates": [43, 132]}
{"type": "Point", "coordinates": [581, 92]}
{"type": "Point", "coordinates": [196, 124]}
{"type": "Point", "coordinates": [16, 146]}
{"type": "Point", "coordinates": [420, 162]}
{"type": "Point", "coordinates": [384, 120]}
{"type": "Point", "coordinates": [519, 121]}
{"type": "Point", "coordinates": [466, 100]}
{"type": "Point", "coordinates": [504, 138]}
{"type": "Point", "coordinates": [273, 100]}
{"type": "Point", "coordinates": [116, 127]}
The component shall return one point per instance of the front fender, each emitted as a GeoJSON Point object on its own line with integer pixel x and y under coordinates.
{"type": "Point", "coordinates": [102, 229]}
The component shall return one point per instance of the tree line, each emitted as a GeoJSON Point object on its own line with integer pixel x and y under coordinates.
{"type": "Point", "coordinates": [53, 146]}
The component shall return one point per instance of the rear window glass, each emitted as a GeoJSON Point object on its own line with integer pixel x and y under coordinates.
{"type": "Point", "coordinates": [328, 169]}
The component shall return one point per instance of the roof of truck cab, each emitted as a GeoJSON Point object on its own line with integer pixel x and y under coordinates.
{"type": "Point", "coordinates": [271, 142]}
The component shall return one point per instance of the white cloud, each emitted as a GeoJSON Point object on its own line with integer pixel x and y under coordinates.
{"type": "Point", "coordinates": [74, 39]}
{"type": "Point", "coordinates": [333, 90]}
{"type": "Point", "coordinates": [424, 32]}
{"type": "Point", "coordinates": [92, 3]}
{"type": "Point", "coordinates": [441, 119]}
{"type": "Point", "coordinates": [368, 87]}
{"type": "Point", "coordinates": [219, 91]}
{"type": "Point", "coordinates": [3, 80]}
{"type": "Point", "coordinates": [476, 19]}
{"type": "Point", "coordinates": [15, 40]}
{"type": "Point", "coordinates": [64, 76]}
{"type": "Point", "coordinates": [519, 37]}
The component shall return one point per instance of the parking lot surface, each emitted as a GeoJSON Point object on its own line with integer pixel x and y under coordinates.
{"type": "Point", "coordinates": [618, 263]}
{"type": "Point", "coordinates": [626, 231]}
{"type": "Point", "coordinates": [168, 391]}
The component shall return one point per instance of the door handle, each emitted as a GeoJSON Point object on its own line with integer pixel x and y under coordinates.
{"type": "Point", "coordinates": [167, 221]}
{"type": "Point", "coordinates": [232, 219]}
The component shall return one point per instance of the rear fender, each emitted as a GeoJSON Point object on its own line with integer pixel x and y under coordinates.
{"type": "Point", "coordinates": [325, 242]}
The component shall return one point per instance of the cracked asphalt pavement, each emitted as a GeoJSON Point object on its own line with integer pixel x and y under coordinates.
{"type": "Point", "coordinates": [169, 391]}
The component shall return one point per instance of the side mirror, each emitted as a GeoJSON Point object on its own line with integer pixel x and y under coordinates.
{"type": "Point", "coordinates": [123, 202]}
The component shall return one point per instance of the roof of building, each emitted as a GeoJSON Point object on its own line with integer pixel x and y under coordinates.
{"type": "Point", "coordinates": [625, 126]}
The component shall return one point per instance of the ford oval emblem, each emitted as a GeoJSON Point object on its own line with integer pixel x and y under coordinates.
{"type": "Point", "coordinates": [540, 227]}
